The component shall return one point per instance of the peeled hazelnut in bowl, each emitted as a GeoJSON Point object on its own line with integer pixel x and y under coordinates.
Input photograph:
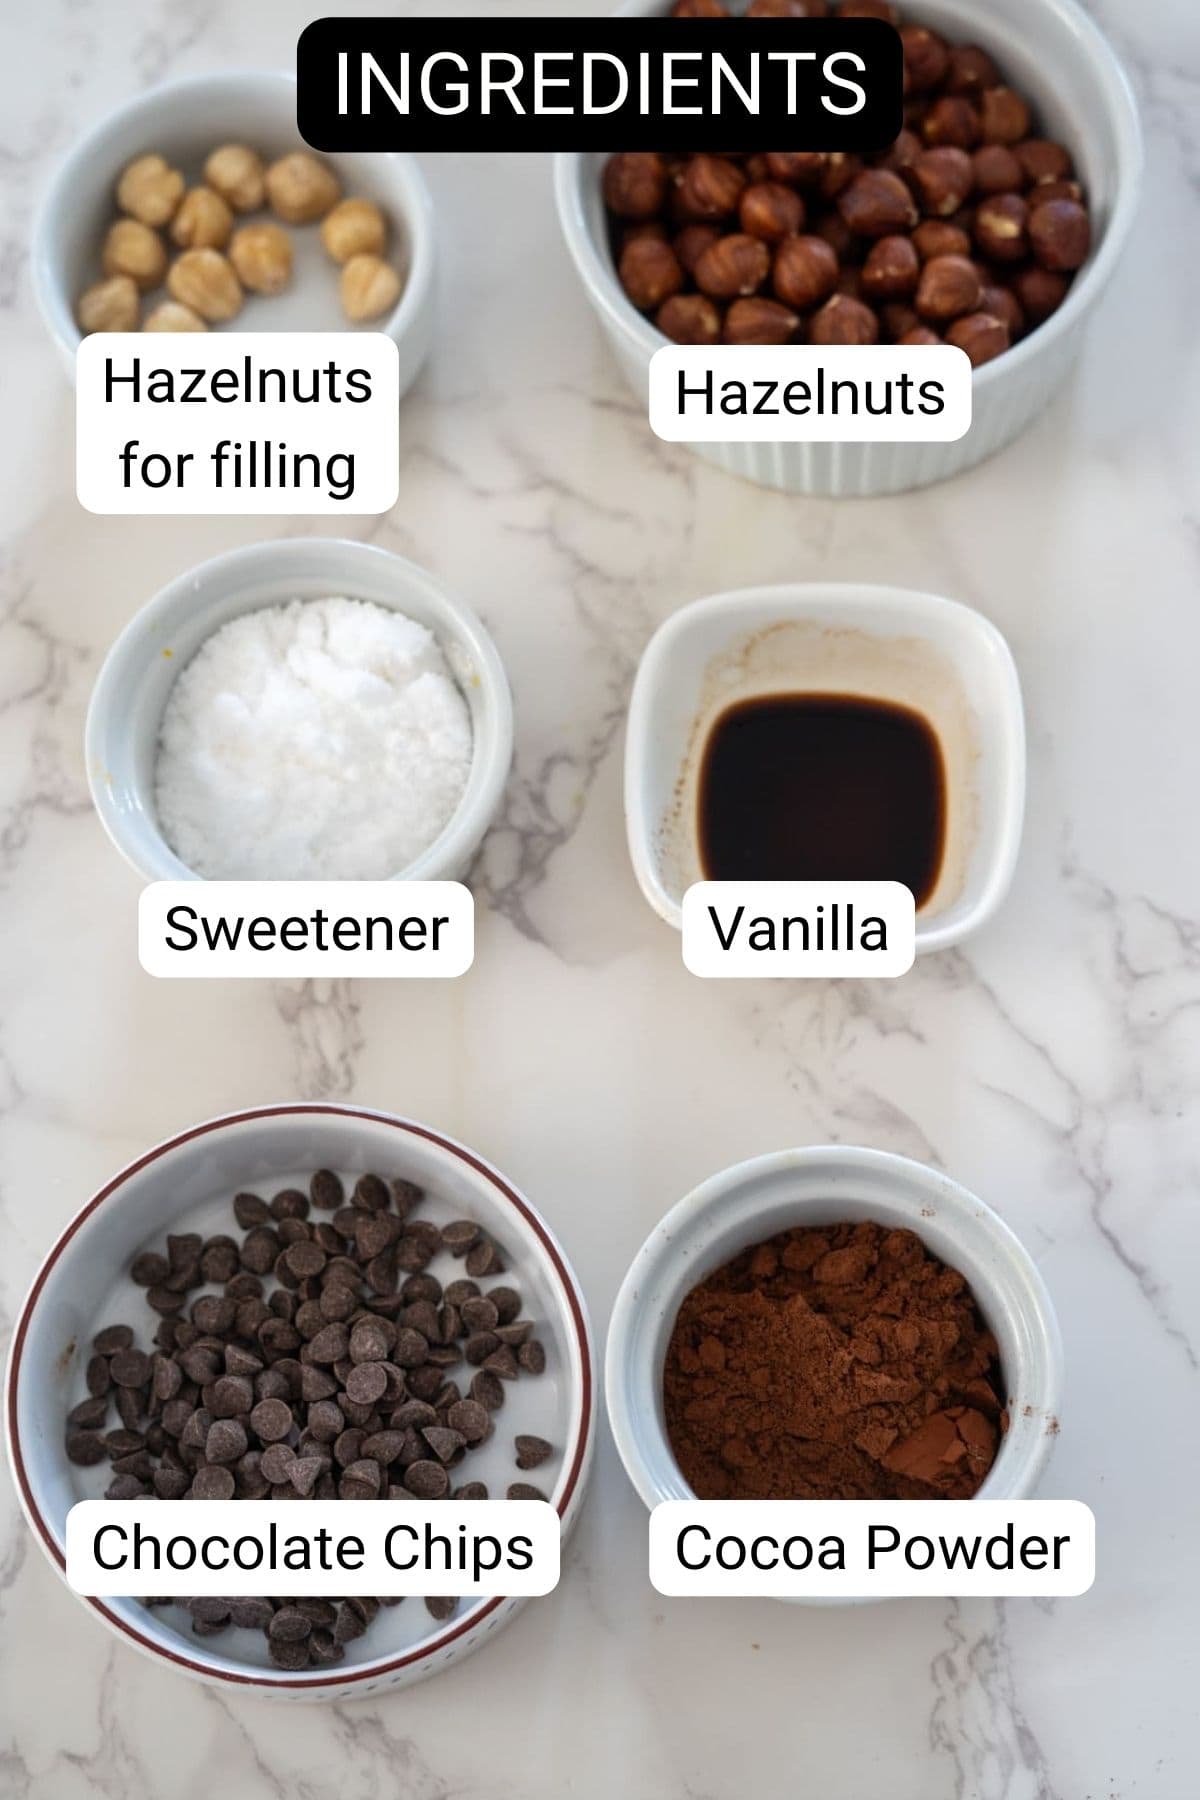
{"type": "Point", "coordinates": [843, 320]}
{"type": "Point", "coordinates": [205, 280]}
{"type": "Point", "coordinates": [203, 222]}
{"type": "Point", "coordinates": [805, 272]}
{"type": "Point", "coordinates": [949, 286]}
{"type": "Point", "coordinates": [262, 257]}
{"type": "Point", "coordinates": [172, 315]}
{"type": "Point", "coordinates": [369, 287]}
{"type": "Point", "coordinates": [635, 184]}
{"type": "Point", "coordinates": [110, 305]}
{"type": "Point", "coordinates": [354, 228]}
{"type": "Point", "coordinates": [650, 272]}
{"type": "Point", "coordinates": [760, 321]}
{"type": "Point", "coordinates": [131, 248]}
{"type": "Point", "coordinates": [236, 173]}
{"type": "Point", "coordinates": [734, 266]}
{"type": "Point", "coordinates": [689, 319]}
{"type": "Point", "coordinates": [301, 189]}
{"type": "Point", "coordinates": [150, 190]}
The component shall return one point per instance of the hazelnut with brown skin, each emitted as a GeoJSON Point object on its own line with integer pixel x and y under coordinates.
{"type": "Point", "coordinates": [892, 269]}
{"type": "Point", "coordinates": [844, 321]}
{"type": "Point", "coordinates": [205, 280]}
{"type": "Point", "coordinates": [236, 173]}
{"type": "Point", "coordinates": [1060, 234]}
{"type": "Point", "coordinates": [786, 9]}
{"type": "Point", "coordinates": [1000, 232]}
{"type": "Point", "coordinates": [1004, 116]}
{"type": "Point", "coordinates": [877, 203]}
{"type": "Point", "coordinates": [1040, 292]}
{"type": "Point", "coordinates": [849, 282]}
{"type": "Point", "coordinates": [1056, 190]}
{"type": "Point", "coordinates": [760, 321]}
{"type": "Point", "coordinates": [771, 211]}
{"type": "Point", "coordinates": [368, 287]}
{"type": "Point", "coordinates": [689, 319]}
{"type": "Point", "coordinates": [868, 9]}
{"type": "Point", "coordinates": [949, 286]}
{"type": "Point", "coordinates": [301, 189]}
{"type": "Point", "coordinates": [805, 272]}
{"type": "Point", "coordinates": [708, 187]}
{"type": "Point", "coordinates": [952, 119]}
{"type": "Point", "coordinates": [262, 257]}
{"type": "Point", "coordinates": [920, 334]}
{"type": "Point", "coordinates": [354, 228]}
{"type": "Point", "coordinates": [635, 184]}
{"type": "Point", "coordinates": [980, 335]}
{"type": "Point", "coordinates": [942, 179]}
{"type": "Point", "coordinates": [203, 222]}
{"type": "Point", "coordinates": [800, 168]}
{"type": "Point", "coordinates": [650, 273]}
{"type": "Point", "coordinates": [997, 170]}
{"type": "Point", "coordinates": [1042, 160]}
{"type": "Point", "coordinates": [131, 248]}
{"type": "Point", "coordinates": [698, 9]}
{"type": "Point", "coordinates": [733, 267]}
{"type": "Point", "coordinates": [838, 235]}
{"type": "Point", "coordinates": [938, 237]}
{"type": "Point", "coordinates": [149, 190]}
{"type": "Point", "coordinates": [970, 71]}
{"type": "Point", "coordinates": [110, 305]}
{"type": "Point", "coordinates": [903, 153]}
{"type": "Point", "coordinates": [691, 243]}
{"type": "Point", "coordinates": [839, 171]}
{"type": "Point", "coordinates": [1003, 304]}
{"type": "Point", "coordinates": [926, 58]}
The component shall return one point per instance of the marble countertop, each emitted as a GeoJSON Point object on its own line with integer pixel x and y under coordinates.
{"type": "Point", "coordinates": [1052, 1065]}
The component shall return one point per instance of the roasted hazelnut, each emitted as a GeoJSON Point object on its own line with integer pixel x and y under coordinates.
{"type": "Point", "coordinates": [734, 266]}
{"type": "Point", "coordinates": [262, 256]}
{"type": "Point", "coordinates": [708, 187]}
{"type": "Point", "coordinates": [1040, 292]}
{"type": "Point", "coordinates": [205, 281]}
{"type": "Point", "coordinates": [689, 319]}
{"type": "Point", "coordinates": [844, 321]}
{"type": "Point", "coordinates": [1003, 304]}
{"type": "Point", "coordinates": [805, 272]}
{"type": "Point", "coordinates": [980, 335]}
{"type": "Point", "coordinates": [760, 322]}
{"type": "Point", "coordinates": [786, 9]}
{"type": "Point", "coordinates": [1004, 116]}
{"type": "Point", "coordinates": [131, 248]}
{"type": "Point", "coordinates": [1060, 234]}
{"type": "Point", "coordinates": [877, 203]}
{"type": "Point", "coordinates": [849, 282]}
{"type": "Point", "coordinates": [690, 244]}
{"type": "Point", "coordinates": [149, 190]}
{"type": "Point", "coordinates": [896, 317]}
{"type": "Point", "coordinates": [173, 315]}
{"type": "Point", "coordinates": [840, 169]}
{"type": "Point", "coordinates": [110, 305]}
{"type": "Point", "coordinates": [301, 189]}
{"type": "Point", "coordinates": [926, 58]}
{"type": "Point", "coordinates": [354, 228]}
{"type": "Point", "coordinates": [645, 228]}
{"type": "Point", "coordinates": [997, 170]}
{"type": "Point", "coordinates": [903, 153]}
{"type": "Point", "coordinates": [838, 235]}
{"type": "Point", "coordinates": [650, 272]}
{"type": "Point", "coordinates": [1042, 160]}
{"type": "Point", "coordinates": [970, 70]}
{"type": "Point", "coordinates": [919, 334]}
{"type": "Point", "coordinates": [368, 287]}
{"type": "Point", "coordinates": [949, 286]}
{"type": "Point", "coordinates": [203, 222]}
{"type": "Point", "coordinates": [942, 179]}
{"type": "Point", "coordinates": [798, 167]}
{"type": "Point", "coordinates": [938, 237]}
{"type": "Point", "coordinates": [699, 9]}
{"type": "Point", "coordinates": [236, 173]}
{"type": "Point", "coordinates": [635, 184]}
{"type": "Point", "coordinates": [771, 211]}
{"type": "Point", "coordinates": [952, 119]}
{"type": "Point", "coordinates": [868, 9]}
{"type": "Point", "coordinates": [892, 269]}
{"type": "Point", "coordinates": [1000, 228]}
{"type": "Point", "coordinates": [1056, 190]}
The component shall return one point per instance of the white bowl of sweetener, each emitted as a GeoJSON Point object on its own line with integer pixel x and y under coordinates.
{"type": "Point", "coordinates": [308, 709]}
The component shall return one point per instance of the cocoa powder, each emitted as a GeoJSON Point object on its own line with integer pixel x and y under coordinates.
{"type": "Point", "coordinates": [834, 1363]}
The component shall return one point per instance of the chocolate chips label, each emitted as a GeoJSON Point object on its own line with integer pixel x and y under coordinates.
{"type": "Point", "coordinates": [799, 928]}
{"type": "Point", "coordinates": [872, 1550]}
{"type": "Point", "coordinates": [591, 84]}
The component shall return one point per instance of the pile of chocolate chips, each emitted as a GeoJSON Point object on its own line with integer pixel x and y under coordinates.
{"type": "Point", "coordinates": [316, 1364]}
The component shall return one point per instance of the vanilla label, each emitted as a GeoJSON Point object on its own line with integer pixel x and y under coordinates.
{"type": "Point", "coordinates": [799, 928]}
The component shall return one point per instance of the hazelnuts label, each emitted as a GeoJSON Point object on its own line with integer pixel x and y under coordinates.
{"type": "Point", "coordinates": [786, 929]}
{"type": "Point", "coordinates": [789, 393]}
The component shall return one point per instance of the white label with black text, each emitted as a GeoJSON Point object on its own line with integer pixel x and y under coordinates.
{"type": "Point", "coordinates": [872, 1550]}
{"type": "Point", "coordinates": [810, 393]}
{"type": "Point", "coordinates": [799, 928]}
{"type": "Point", "coordinates": [306, 928]}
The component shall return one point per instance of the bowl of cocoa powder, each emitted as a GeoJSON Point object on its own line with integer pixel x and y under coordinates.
{"type": "Point", "coordinates": [833, 1323]}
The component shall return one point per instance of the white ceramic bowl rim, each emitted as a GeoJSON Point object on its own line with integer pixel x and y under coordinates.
{"type": "Point", "coordinates": [570, 172]}
{"type": "Point", "coordinates": [56, 306]}
{"type": "Point", "coordinates": [586, 1398]}
{"type": "Point", "coordinates": [490, 763]}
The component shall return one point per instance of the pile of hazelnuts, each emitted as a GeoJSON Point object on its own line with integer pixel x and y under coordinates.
{"type": "Point", "coordinates": [967, 231]}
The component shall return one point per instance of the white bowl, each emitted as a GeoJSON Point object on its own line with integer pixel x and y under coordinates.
{"type": "Point", "coordinates": [1056, 56]}
{"type": "Point", "coordinates": [941, 658]}
{"type": "Point", "coordinates": [824, 1185]}
{"type": "Point", "coordinates": [186, 1184]}
{"type": "Point", "coordinates": [121, 738]}
{"type": "Point", "coordinates": [183, 120]}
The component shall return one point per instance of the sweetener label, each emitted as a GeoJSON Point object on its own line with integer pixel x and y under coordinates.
{"type": "Point", "coordinates": [872, 1550]}
{"type": "Point", "coordinates": [822, 929]}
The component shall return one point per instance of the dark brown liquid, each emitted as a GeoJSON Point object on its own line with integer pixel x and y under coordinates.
{"type": "Point", "coordinates": [822, 787]}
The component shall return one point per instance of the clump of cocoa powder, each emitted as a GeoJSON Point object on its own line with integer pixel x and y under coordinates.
{"type": "Point", "coordinates": [840, 1362]}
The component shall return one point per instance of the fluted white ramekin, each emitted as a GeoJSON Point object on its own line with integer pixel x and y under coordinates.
{"type": "Point", "coordinates": [1053, 53]}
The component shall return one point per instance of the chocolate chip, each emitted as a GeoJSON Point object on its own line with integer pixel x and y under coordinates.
{"type": "Point", "coordinates": [483, 1259]}
{"type": "Point", "coordinates": [276, 1463]}
{"type": "Point", "coordinates": [524, 1490]}
{"type": "Point", "coordinates": [226, 1441]}
{"type": "Point", "coordinates": [366, 1383]}
{"type": "Point", "coordinates": [112, 1338]}
{"type": "Point", "coordinates": [130, 1368]}
{"type": "Point", "coordinates": [444, 1443]}
{"type": "Point", "coordinates": [86, 1448]}
{"type": "Point", "coordinates": [212, 1482]}
{"type": "Point", "coordinates": [441, 1609]}
{"type": "Point", "coordinates": [471, 1419]}
{"type": "Point", "coordinates": [250, 1210]}
{"type": "Point", "coordinates": [488, 1390]}
{"type": "Point", "coordinates": [532, 1357]}
{"type": "Point", "coordinates": [271, 1420]}
{"type": "Point", "coordinates": [428, 1480]}
{"type": "Point", "coordinates": [371, 1193]}
{"type": "Point", "coordinates": [459, 1236]}
{"type": "Point", "coordinates": [532, 1451]}
{"type": "Point", "coordinates": [289, 1626]}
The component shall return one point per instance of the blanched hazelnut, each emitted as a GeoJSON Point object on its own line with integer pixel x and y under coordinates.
{"type": "Point", "coordinates": [771, 211]}
{"type": "Point", "coordinates": [1042, 160]}
{"type": "Point", "coordinates": [368, 287]}
{"type": "Point", "coordinates": [952, 120]}
{"type": "Point", "coordinates": [650, 272]}
{"type": "Point", "coordinates": [150, 190]}
{"type": "Point", "coordinates": [1000, 228]}
{"type": "Point", "coordinates": [877, 203]}
{"type": "Point", "coordinates": [799, 168]}
{"type": "Point", "coordinates": [203, 222]}
{"type": "Point", "coordinates": [805, 272]}
{"type": "Point", "coordinates": [262, 256]}
{"type": "Point", "coordinates": [970, 70]}
{"type": "Point", "coordinates": [690, 244]}
{"type": "Point", "coordinates": [1040, 291]}
{"type": "Point", "coordinates": [892, 269]}
{"type": "Point", "coordinates": [997, 170]}
{"type": "Point", "coordinates": [1060, 234]}
{"type": "Point", "coordinates": [980, 335]}
{"type": "Point", "coordinates": [354, 228]}
{"type": "Point", "coordinates": [131, 248]}
{"type": "Point", "coordinates": [708, 187]}
{"type": "Point", "coordinates": [172, 315]}
{"type": "Point", "coordinates": [300, 188]}
{"type": "Point", "coordinates": [760, 321]}
{"type": "Point", "coordinates": [735, 265]}
{"type": "Point", "coordinates": [949, 286]}
{"type": "Point", "coordinates": [942, 178]}
{"type": "Point", "coordinates": [844, 321]}
{"type": "Point", "coordinates": [1004, 116]}
{"type": "Point", "coordinates": [110, 305]}
{"type": "Point", "coordinates": [236, 173]}
{"type": "Point", "coordinates": [205, 281]}
{"type": "Point", "coordinates": [689, 319]}
{"type": "Point", "coordinates": [938, 237]}
{"type": "Point", "coordinates": [635, 184]}
{"type": "Point", "coordinates": [926, 58]}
